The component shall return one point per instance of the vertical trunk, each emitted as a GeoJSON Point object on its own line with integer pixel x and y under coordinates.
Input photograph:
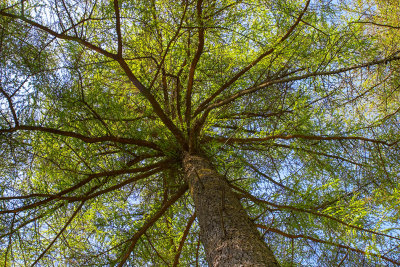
{"type": "Point", "coordinates": [229, 237]}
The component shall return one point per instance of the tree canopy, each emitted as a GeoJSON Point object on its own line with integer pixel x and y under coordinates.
{"type": "Point", "coordinates": [295, 103]}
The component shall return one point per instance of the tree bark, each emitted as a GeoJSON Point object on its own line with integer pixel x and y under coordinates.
{"type": "Point", "coordinates": [228, 235]}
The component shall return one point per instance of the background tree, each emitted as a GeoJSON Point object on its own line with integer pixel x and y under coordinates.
{"type": "Point", "coordinates": [111, 110]}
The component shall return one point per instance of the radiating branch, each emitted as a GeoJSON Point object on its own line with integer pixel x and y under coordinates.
{"type": "Point", "coordinates": [379, 24]}
{"type": "Point", "coordinates": [167, 49]}
{"type": "Point", "coordinates": [155, 250]}
{"type": "Point", "coordinates": [274, 230]}
{"type": "Point", "coordinates": [80, 184]}
{"type": "Point", "coordinates": [59, 233]}
{"type": "Point", "coordinates": [123, 183]}
{"type": "Point", "coordinates": [196, 58]}
{"type": "Point", "coordinates": [150, 222]}
{"type": "Point", "coordinates": [256, 170]}
{"type": "Point", "coordinates": [251, 140]}
{"type": "Point", "coordinates": [231, 98]}
{"type": "Point", "coordinates": [34, 219]}
{"type": "Point", "coordinates": [11, 106]}
{"type": "Point", "coordinates": [154, 103]}
{"type": "Point", "coordinates": [145, 91]}
{"type": "Point", "coordinates": [251, 65]}
{"type": "Point", "coordinates": [183, 239]}
{"type": "Point", "coordinates": [320, 153]}
{"type": "Point", "coordinates": [118, 27]}
{"type": "Point", "coordinates": [318, 214]}
{"type": "Point", "coordinates": [86, 139]}
{"type": "Point", "coordinates": [60, 35]}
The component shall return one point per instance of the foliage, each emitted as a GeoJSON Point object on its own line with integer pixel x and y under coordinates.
{"type": "Point", "coordinates": [295, 102]}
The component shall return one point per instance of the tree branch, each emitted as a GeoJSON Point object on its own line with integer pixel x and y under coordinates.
{"type": "Point", "coordinates": [155, 105]}
{"type": "Point", "coordinates": [266, 176]}
{"type": "Point", "coordinates": [118, 27]}
{"type": "Point", "coordinates": [250, 90]}
{"type": "Point", "coordinates": [183, 239]}
{"type": "Point", "coordinates": [378, 24]}
{"type": "Point", "coordinates": [34, 219]}
{"type": "Point", "coordinates": [270, 229]}
{"type": "Point", "coordinates": [82, 183]}
{"type": "Point", "coordinates": [11, 106]}
{"type": "Point", "coordinates": [150, 222]}
{"type": "Point", "coordinates": [286, 207]}
{"type": "Point", "coordinates": [60, 35]}
{"type": "Point", "coordinates": [117, 186]}
{"type": "Point", "coordinates": [173, 39]}
{"type": "Point", "coordinates": [86, 139]}
{"type": "Point", "coordinates": [226, 140]}
{"type": "Point", "coordinates": [155, 250]}
{"type": "Point", "coordinates": [59, 233]}
{"type": "Point", "coordinates": [251, 65]}
{"type": "Point", "coordinates": [199, 51]}
{"type": "Point", "coordinates": [320, 153]}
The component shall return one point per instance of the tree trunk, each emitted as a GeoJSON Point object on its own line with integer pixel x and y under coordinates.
{"type": "Point", "coordinates": [228, 235]}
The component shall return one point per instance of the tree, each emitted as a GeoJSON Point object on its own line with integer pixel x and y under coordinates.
{"type": "Point", "coordinates": [233, 133]}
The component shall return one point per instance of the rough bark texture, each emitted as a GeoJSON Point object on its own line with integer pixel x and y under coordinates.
{"type": "Point", "coordinates": [229, 237]}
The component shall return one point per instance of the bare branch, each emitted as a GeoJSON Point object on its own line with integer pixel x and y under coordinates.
{"type": "Point", "coordinates": [9, 241]}
{"type": "Point", "coordinates": [139, 158]}
{"type": "Point", "coordinates": [70, 18]}
{"type": "Point", "coordinates": [173, 39]}
{"type": "Point", "coordinates": [122, 184]}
